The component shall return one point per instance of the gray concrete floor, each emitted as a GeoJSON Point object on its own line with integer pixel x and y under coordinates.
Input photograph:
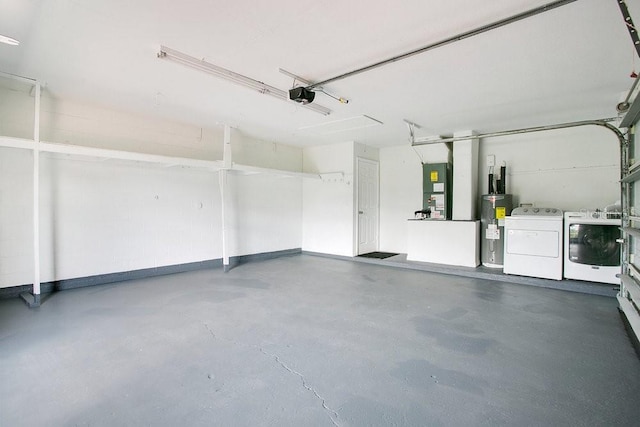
{"type": "Point", "coordinates": [494, 274]}
{"type": "Point", "coordinates": [311, 341]}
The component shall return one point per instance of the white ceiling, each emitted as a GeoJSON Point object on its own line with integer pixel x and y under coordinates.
{"type": "Point", "coordinates": [571, 63]}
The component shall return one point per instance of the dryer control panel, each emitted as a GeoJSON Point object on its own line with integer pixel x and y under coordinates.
{"type": "Point", "coordinates": [522, 211]}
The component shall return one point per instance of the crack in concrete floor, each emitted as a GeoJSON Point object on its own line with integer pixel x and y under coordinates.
{"type": "Point", "coordinates": [333, 415]}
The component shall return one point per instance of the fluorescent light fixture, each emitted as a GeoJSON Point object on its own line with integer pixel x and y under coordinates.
{"type": "Point", "coordinates": [9, 40]}
{"type": "Point", "coordinates": [294, 77]}
{"type": "Point", "coordinates": [233, 77]}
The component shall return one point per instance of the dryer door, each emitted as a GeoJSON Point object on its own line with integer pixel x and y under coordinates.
{"type": "Point", "coordinates": [533, 242]}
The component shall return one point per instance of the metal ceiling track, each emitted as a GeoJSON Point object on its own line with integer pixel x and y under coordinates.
{"type": "Point", "coordinates": [501, 23]}
{"type": "Point", "coordinates": [629, 23]}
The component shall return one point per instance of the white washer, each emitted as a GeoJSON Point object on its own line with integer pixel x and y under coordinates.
{"type": "Point", "coordinates": [591, 246]}
{"type": "Point", "coordinates": [533, 243]}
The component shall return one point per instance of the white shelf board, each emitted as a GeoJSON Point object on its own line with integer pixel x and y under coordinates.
{"type": "Point", "coordinates": [168, 161]}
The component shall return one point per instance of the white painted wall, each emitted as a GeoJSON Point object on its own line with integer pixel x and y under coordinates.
{"type": "Point", "coordinates": [16, 217]}
{"type": "Point", "coordinates": [264, 213]}
{"type": "Point", "coordinates": [100, 217]}
{"type": "Point", "coordinates": [265, 154]}
{"type": "Point", "coordinates": [69, 122]}
{"type": "Point", "coordinates": [570, 169]}
{"type": "Point", "coordinates": [366, 152]}
{"type": "Point", "coordinates": [329, 219]}
{"type": "Point", "coordinates": [16, 109]}
{"type": "Point", "coordinates": [103, 216]}
{"type": "Point", "coordinates": [328, 205]}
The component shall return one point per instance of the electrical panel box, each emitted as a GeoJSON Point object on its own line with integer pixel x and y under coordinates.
{"type": "Point", "coordinates": [437, 186]}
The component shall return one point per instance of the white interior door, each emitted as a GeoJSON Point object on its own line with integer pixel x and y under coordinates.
{"type": "Point", "coordinates": [367, 206]}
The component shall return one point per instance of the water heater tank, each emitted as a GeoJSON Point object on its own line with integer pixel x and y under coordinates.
{"type": "Point", "coordinates": [494, 209]}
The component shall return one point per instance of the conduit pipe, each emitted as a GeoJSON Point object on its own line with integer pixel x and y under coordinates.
{"type": "Point", "coordinates": [603, 122]}
{"type": "Point", "coordinates": [467, 34]}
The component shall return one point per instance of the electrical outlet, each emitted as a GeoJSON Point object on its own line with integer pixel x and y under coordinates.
{"type": "Point", "coordinates": [491, 160]}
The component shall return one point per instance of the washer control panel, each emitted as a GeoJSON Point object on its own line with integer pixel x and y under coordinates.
{"type": "Point", "coordinates": [600, 214]}
{"type": "Point", "coordinates": [530, 211]}
{"type": "Point", "coordinates": [597, 214]}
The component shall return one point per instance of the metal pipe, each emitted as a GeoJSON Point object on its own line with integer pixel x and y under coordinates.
{"type": "Point", "coordinates": [456, 38]}
{"type": "Point", "coordinates": [603, 123]}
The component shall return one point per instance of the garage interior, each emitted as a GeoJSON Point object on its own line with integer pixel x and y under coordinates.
{"type": "Point", "coordinates": [295, 213]}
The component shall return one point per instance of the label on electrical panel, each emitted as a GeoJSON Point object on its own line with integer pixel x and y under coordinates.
{"type": "Point", "coordinates": [492, 232]}
{"type": "Point", "coordinates": [434, 176]}
{"type": "Point", "coordinates": [501, 212]}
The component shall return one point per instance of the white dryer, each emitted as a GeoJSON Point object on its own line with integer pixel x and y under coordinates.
{"type": "Point", "coordinates": [533, 243]}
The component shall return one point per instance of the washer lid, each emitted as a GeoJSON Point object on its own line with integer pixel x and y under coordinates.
{"type": "Point", "coordinates": [527, 211]}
